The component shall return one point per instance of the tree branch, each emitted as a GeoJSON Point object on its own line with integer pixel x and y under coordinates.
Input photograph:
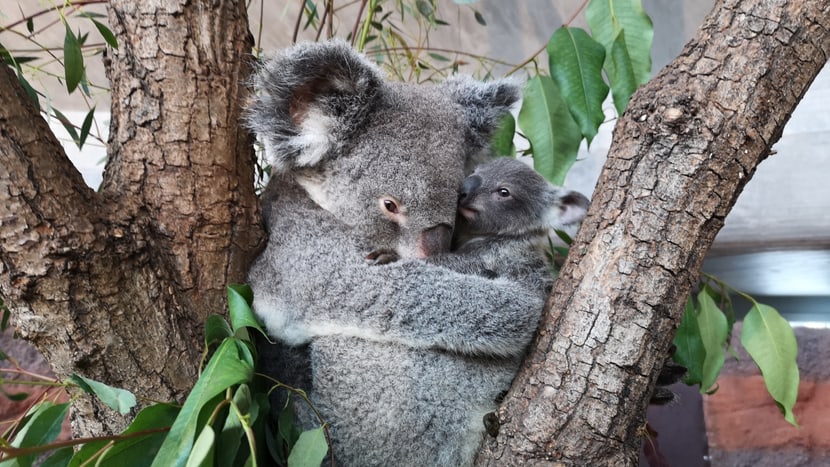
{"type": "Point", "coordinates": [688, 143]}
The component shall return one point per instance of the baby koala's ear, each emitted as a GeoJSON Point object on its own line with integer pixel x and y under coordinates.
{"type": "Point", "coordinates": [572, 207]}
{"type": "Point", "coordinates": [484, 104]}
{"type": "Point", "coordinates": [308, 98]}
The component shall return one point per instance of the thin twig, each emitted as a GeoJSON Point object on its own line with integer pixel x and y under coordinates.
{"type": "Point", "coordinates": [357, 20]}
{"type": "Point", "coordinates": [322, 22]}
{"type": "Point", "coordinates": [34, 15]}
{"type": "Point", "coordinates": [578, 10]}
{"type": "Point", "coordinates": [330, 9]}
{"type": "Point", "coordinates": [297, 24]}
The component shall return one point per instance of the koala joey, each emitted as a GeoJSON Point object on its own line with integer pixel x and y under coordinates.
{"type": "Point", "coordinates": [506, 214]}
{"type": "Point", "coordinates": [361, 163]}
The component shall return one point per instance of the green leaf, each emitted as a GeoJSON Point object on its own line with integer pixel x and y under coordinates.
{"type": "Point", "coordinates": [85, 127]}
{"type": "Point", "coordinates": [224, 370]}
{"type": "Point", "coordinates": [543, 110]}
{"type": "Point", "coordinates": [28, 87]}
{"type": "Point", "coordinates": [58, 458]}
{"type": "Point", "coordinates": [620, 74]}
{"type": "Point", "coordinates": [438, 57]}
{"type": "Point", "coordinates": [202, 453]}
{"type": "Point", "coordinates": [479, 18]}
{"type": "Point", "coordinates": [608, 17]}
{"type": "Point", "coordinates": [70, 128]}
{"type": "Point", "coordinates": [425, 9]}
{"type": "Point", "coordinates": [41, 426]}
{"type": "Point", "coordinates": [576, 67]}
{"type": "Point", "coordinates": [240, 298]}
{"type": "Point", "coordinates": [73, 60]}
{"type": "Point", "coordinates": [216, 329]}
{"type": "Point", "coordinates": [30, 24]}
{"type": "Point", "coordinates": [770, 341]}
{"type": "Point", "coordinates": [108, 36]}
{"type": "Point", "coordinates": [310, 450]}
{"type": "Point", "coordinates": [288, 433]}
{"type": "Point", "coordinates": [135, 451]}
{"type": "Point", "coordinates": [232, 432]}
{"type": "Point", "coordinates": [713, 334]}
{"type": "Point", "coordinates": [117, 399]}
{"type": "Point", "coordinates": [502, 139]}
{"type": "Point", "coordinates": [690, 352]}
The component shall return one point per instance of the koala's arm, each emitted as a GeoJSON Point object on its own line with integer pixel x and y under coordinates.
{"type": "Point", "coordinates": [312, 280]}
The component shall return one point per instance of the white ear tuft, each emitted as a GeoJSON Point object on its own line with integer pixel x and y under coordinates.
{"type": "Point", "coordinates": [315, 138]}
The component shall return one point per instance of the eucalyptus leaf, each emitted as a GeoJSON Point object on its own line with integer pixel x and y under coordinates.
{"type": "Point", "coordinates": [230, 438]}
{"type": "Point", "coordinates": [67, 125]}
{"type": "Point", "coordinates": [105, 32]}
{"type": "Point", "coordinates": [240, 298]}
{"type": "Point", "coordinates": [310, 450]}
{"type": "Point", "coordinates": [547, 123]}
{"type": "Point", "coordinates": [608, 17]}
{"type": "Point", "coordinates": [689, 346]}
{"type": "Point", "coordinates": [85, 127]}
{"type": "Point", "coordinates": [216, 329]}
{"type": "Point", "coordinates": [479, 18]}
{"type": "Point", "coordinates": [620, 74]}
{"type": "Point", "coordinates": [73, 60]}
{"type": "Point", "coordinates": [770, 341]}
{"type": "Point", "coordinates": [203, 449]}
{"type": "Point", "coordinates": [117, 399]}
{"type": "Point", "coordinates": [42, 425]}
{"type": "Point", "coordinates": [502, 140]}
{"type": "Point", "coordinates": [713, 334]}
{"type": "Point", "coordinates": [224, 370]}
{"type": "Point", "coordinates": [135, 451]}
{"type": "Point", "coordinates": [58, 458]}
{"type": "Point", "coordinates": [576, 63]}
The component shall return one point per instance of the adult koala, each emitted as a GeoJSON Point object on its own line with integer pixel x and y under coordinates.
{"type": "Point", "coordinates": [406, 357]}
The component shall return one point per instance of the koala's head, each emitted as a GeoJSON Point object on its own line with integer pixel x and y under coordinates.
{"type": "Point", "coordinates": [507, 197]}
{"type": "Point", "coordinates": [386, 159]}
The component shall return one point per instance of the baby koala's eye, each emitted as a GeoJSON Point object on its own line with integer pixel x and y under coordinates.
{"type": "Point", "coordinates": [390, 206]}
{"type": "Point", "coordinates": [504, 192]}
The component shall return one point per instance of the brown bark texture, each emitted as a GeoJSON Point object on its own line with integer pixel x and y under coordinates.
{"type": "Point", "coordinates": [687, 144]}
{"type": "Point", "coordinates": [115, 285]}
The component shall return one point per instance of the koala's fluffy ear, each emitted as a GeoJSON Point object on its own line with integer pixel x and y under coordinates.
{"type": "Point", "coordinates": [308, 98]}
{"type": "Point", "coordinates": [484, 104]}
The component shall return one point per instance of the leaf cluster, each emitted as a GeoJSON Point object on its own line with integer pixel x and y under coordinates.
{"type": "Point", "coordinates": [704, 335]}
{"type": "Point", "coordinates": [561, 110]}
{"type": "Point", "coordinates": [224, 420]}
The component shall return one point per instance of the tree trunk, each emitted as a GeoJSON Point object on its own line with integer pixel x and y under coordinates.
{"type": "Point", "coordinates": [688, 143]}
{"type": "Point", "coordinates": [116, 285]}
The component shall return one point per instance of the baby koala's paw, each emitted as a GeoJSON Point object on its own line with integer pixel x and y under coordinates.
{"type": "Point", "coordinates": [381, 256]}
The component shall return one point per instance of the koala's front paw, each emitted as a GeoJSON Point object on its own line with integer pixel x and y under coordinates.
{"type": "Point", "coordinates": [381, 256]}
{"type": "Point", "coordinates": [491, 424]}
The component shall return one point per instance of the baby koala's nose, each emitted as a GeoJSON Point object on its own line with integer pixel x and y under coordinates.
{"type": "Point", "coordinates": [470, 185]}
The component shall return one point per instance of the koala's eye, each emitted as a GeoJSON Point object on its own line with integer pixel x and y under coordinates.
{"type": "Point", "coordinates": [390, 206]}
{"type": "Point", "coordinates": [504, 192]}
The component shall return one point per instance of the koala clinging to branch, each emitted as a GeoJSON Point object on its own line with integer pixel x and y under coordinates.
{"type": "Point", "coordinates": [361, 163]}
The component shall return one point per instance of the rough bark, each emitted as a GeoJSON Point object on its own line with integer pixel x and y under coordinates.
{"type": "Point", "coordinates": [115, 285]}
{"type": "Point", "coordinates": [688, 143]}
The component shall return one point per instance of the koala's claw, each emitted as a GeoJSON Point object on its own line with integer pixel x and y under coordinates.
{"type": "Point", "coordinates": [491, 424]}
{"type": "Point", "coordinates": [381, 256]}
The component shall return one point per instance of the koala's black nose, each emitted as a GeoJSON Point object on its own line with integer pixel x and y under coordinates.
{"type": "Point", "coordinates": [470, 185]}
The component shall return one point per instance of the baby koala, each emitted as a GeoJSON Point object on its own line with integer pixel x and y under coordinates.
{"type": "Point", "coordinates": [506, 214]}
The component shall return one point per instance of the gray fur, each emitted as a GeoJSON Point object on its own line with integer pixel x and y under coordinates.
{"type": "Point", "coordinates": [384, 341]}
